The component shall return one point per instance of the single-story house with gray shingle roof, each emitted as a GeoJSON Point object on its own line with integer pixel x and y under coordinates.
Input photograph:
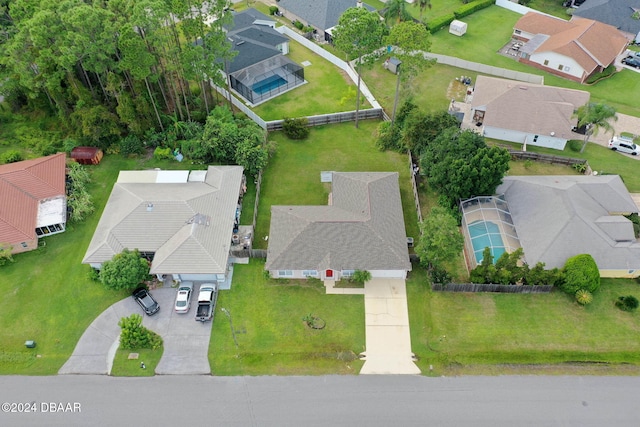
{"type": "Point", "coordinates": [622, 14]}
{"type": "Point", "coordinates": [557, 217]}
{"type": "Point", "coordinates": [182, 221]}
{"type": "Point", "coordinates": [526, 113]}
{"type": "Point", "coordinates": [260, 70]}
{"type": "Point", "coordinates": [362, 228]}
{"type": "Point", "coordinates": [320, 14]}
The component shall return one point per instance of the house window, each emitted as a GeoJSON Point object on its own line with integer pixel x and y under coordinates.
{"type": "Point", "coordinates": [518, 32]}
{"type": "Point", "coordinates": [560, 67]}
{"type": "Point", "coordinates": [23, 244]}
{"type": "Point", "coordinates": [567, 68]}
{"type": "Point", "coordinates": [347, 273]}
{"type": "Point", "coordinates": [310, 273]}
{"type": "Point", "coordinates": [546, 62]}
{"type": "Point", "coordinates": [535, 138]}
{"type": "Point", "coordinates": [285, 273]}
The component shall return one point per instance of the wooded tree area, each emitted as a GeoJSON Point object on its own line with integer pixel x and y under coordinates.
{"type": "Point", "coordinates": [108, 68]}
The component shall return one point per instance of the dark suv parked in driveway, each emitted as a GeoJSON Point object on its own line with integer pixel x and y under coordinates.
{"type": "Point", "coordinates": [632, 61]}
{"type": "Point", "coordinates": [146, 301]}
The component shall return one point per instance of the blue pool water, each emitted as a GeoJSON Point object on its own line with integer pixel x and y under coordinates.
{"type": "Point", "coordinates": [483, 234]}
{"type": "Point", "coordinates": [268, 84]}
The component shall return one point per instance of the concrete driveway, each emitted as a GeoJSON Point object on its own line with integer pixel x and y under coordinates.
{"type": "Point", "coordinates": [388, 339]}
{"type": "Point", "coordinates": [186, 342]}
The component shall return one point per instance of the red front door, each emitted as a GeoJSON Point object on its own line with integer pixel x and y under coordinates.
{"type": "Point", "coordinates": [328, 274]}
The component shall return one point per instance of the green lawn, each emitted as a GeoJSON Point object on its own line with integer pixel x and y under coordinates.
{"type": "Point", "coordinates": [272, 338]}
{"type": "Point", "coordinates": [47, 294]}
{"type": "Point", "coordinates": [125, 367]}
{"type": "Point", "coordinates": [327, 90]}
{"type": "Point", "coordinates": [452, 329]}
{"type": "Point", "coordinates": [293, 175]}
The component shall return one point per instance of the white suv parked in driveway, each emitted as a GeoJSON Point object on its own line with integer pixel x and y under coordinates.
{"type": "Point", "coordinates": [624, 144]}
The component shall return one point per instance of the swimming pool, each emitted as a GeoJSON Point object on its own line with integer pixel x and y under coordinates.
{"type": "Point", "coordinates": [268, 84]}
{"type": "Point", "coordinates": [486, 234]}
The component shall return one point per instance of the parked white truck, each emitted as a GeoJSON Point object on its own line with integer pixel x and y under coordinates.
{"type": "Point", "coordinates": [207, 298]}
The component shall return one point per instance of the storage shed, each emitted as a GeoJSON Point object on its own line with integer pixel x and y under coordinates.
{"type": "Point", "coordinates": [392, 64]}
{"type": "Point", "coordinates": [87, 155]}
{"type": "Point", "coordinates": [458, 27]}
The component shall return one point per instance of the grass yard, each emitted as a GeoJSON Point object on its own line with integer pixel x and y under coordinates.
{"type": "Point", "coordinates": [47, 294]}
{"type": "Point", "coordinates": [293, 174]}
{"type": "Point", "coordinates": [125, 367]}
{"type": "Point", "coordinates": [329, 90]}
{"type": "Point", "coordinates": [266, 317]}
{"type": "Point", "coordinates": [457, 332]}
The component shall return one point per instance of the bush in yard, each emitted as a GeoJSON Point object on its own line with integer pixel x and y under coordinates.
{"type": "Point", "coordinates": [360, 276]}
{"type": "Point", "coordinates": [440, 22]}
{"type": "Point", "coordinates": [162, 153]}
{"type": "Point", "coordinates": [580, 272]}
{"type": "Point", "coordinates": [79, 201]}
{"type": "Point", "coordinates": [273, 10]}
{"type": "Point", "coordinates": [628, 303]}
{"type": "Point", "coordinates": [135, 336]}
{"type": "Point", "coordinates": [125, 270]}
{"type": "Point", "coordinates": [5, 253]}
{"type": "Point", "coordinates": [575, 145]}
{"type": "Point", "coordinates": [12, 156]}
{"type": "Point", "coordinates": [584, 297]}
{"type": "Point", "coordinates": [469, 8]}
{"type": "Point", "coordinates": [296, 128]}
{"type": "Point", "coordinates": [131, 144]}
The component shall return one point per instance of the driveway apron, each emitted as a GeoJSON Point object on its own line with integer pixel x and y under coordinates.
{"type": "Point", "coordinates": [388, 340]}
{"type": "Point", "coordinates": [186, 342]}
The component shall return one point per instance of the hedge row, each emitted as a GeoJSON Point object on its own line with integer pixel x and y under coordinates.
{"type": "Point", "coordinates": [474, 6]}
{"type": "Point", "coordinates": [465, 10]}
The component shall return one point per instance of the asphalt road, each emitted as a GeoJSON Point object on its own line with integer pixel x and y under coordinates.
{"type": "Point", "coordinates": [320, 401]}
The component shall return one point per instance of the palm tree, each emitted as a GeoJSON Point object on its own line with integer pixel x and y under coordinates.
{"type": "Point", "coordinates": [595, 117]}
{"type": "Point", "coordinates": [397, 10]}
{"type": "Point", "coordinates": [422, 5]}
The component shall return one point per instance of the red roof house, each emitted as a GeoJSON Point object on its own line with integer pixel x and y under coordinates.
{"type": "Point", "coordinates": [573, 49]}
{"type": "Point", "coordinates": [33, 201]}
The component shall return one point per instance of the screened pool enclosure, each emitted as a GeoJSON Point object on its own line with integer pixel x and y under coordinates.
{"type": "Point", "coordinates": [267, 79]}
{"type": "Point", "coordinates": [486, 222]}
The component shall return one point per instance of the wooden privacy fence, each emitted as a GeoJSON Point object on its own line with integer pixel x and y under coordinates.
{"type": "Point", "coordinates": [324, 119]}
{"type": "Point", "coordinates": [548, 158]}
{"type": "Point", "coordinates": [491, 287]}
{"type": "Point", "coordinates": [250, 253]}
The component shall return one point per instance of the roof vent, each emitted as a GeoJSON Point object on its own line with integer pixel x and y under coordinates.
{"type": "Point", "coordinates": [524, 87]}
{"type": "Point", "coordinates": [149, 207]}
{"type": "Point", "coordinates": [553, 133]}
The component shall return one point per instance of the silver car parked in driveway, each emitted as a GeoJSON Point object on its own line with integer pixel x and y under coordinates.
{"type": "Point", "coordinates": [183, 297]}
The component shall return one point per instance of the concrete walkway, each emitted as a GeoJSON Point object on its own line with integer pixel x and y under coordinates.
{"type": "Point", "coordinates": [186, 342]}
{"type": "Point", "coordinates": [388, 341]}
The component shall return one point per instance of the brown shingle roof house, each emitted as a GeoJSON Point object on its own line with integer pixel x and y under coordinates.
{"type": "Point", "coordinates": [33, 201]}
{"type": "Point", "coordinates": [572, 49]}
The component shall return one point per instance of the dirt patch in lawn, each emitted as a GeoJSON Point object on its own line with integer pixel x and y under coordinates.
{"type": "Point", "coordinates": [456, 90]}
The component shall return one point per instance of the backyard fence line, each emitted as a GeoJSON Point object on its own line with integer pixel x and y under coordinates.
{"type": "Point", "coordinates": [517, 8]}
{"type": "Point", "coordinates": [250, 253]}
{"type": "Point", "coordinates": [323, 119]}
{"type": "Point", "coordinates": [485, 69]}
{"type": "Point", "coordinates": [547, 158]}
{"type": "Point", "coordinates": [258, 183]}
{"type": "Point", "coordinates": [346, 67]}
{"type": "Point", "coordinates": [414, 185]}
{"type": "Point", "coordinates": [240, 106]}
{"type": "Point", "coordinates": [491, 287]}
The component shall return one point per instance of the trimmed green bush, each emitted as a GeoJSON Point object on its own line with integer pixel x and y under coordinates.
{"type": "Point", "coordinates": [574, 145]}
{"type": "Point", "coordinates": [628, 303]}
{"type": "Point", "coordinates": [12, 156]}
{"type": "Point", "coordinates": [162, 153]}
{"type": "Point", "coordinates": [360, 276]}
{"type": "Point", "coordinates": [273, 10]}
{"type": "Point", "coordinates": [133, 335]}
{"type": "Point", "coordinates": [469, 8]}
{"type": "Point", "coordinates": [584, 297]}
{"type": "Point", "coordinates": [581, 272]}
{"type": "Point", "coordinates": [131, 144]}
{"type": "Point", "coordinates": [440, 22]}
{"type": "Point", "coordinates": [296, 128]}
{"type": "Point", "coordinates": [609, 71]}
{"type": "Point", "coordinates": [299, 25]}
